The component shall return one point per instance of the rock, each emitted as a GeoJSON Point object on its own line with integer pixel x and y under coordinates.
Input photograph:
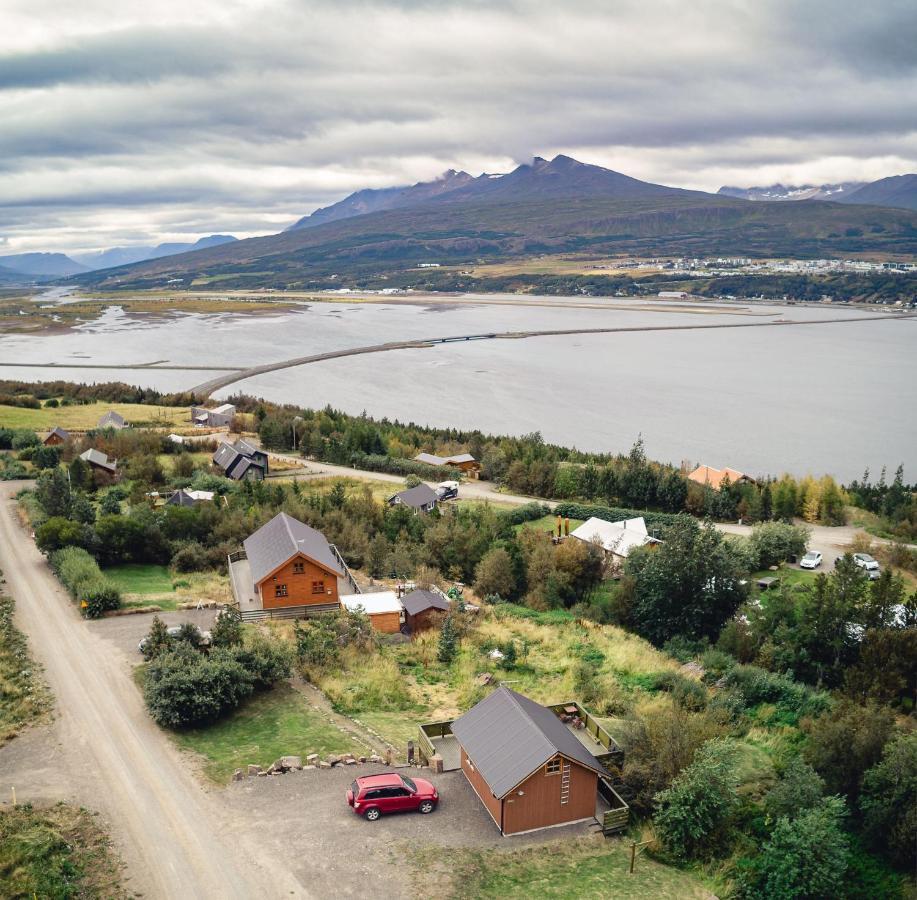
{"type": "Point", "coordinates": [291, 762]}
{"type": "Point", "coordinates": [484, 678]}
{"type": "Point", "coordinates": [362, 759]}
{"type": "Point", "coordinates": [333, 760]}
{"type": "Point", "coordinates": [323, 764]}
{"type": "Point", "coordinates": [254, 770]}
{"type": "Point", "coordinates": [350, 761]}
{"type": "Point", "coordinates": [237, 775]}
{"type": "Point", "coordinates": [375, 758]}
{"type": "Point", "coordinates": [306, 768]}
{"type": "Point", "coordinates": [263, 774]}
{"type": "Point", "coordinates": [312, 759]}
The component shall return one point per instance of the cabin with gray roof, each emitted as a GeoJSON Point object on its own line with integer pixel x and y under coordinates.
{"type": "Point", "coordinates": [463, 461]}
{"type": "Point", "coordinates": [527, 767]}
{"type": "Point", "coordinates": [111, 419]}
{"type": "Point", "coordinates": [424, 609]}
{"type": "Point", "coordinates": [421, 499]}
{"type": "Point", "coordinates": [241, 461]}
{"type": "Point", "coordinates": [99, 462]}
{"type": "Point", "coordinates": [287, 564]}
{"type": "Point", "coordinates": [56, 436]}
{"type": "Point", "coordinates": [217, 417]}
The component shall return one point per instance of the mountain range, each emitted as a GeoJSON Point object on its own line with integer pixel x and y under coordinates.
{"type": "Point", "coordinates": [897, 191]}
{"type": "Point", "coordinates": [18, 267]}
{"type": "Point", "coordinates": [548, 206]}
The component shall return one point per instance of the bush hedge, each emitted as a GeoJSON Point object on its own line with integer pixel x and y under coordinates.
{"type": "Point", "coordinates": [81, 575]}
{"type": "Point", "coordinates": [393, 466]}
{"type": "Point", "coordinates": [615, 514]}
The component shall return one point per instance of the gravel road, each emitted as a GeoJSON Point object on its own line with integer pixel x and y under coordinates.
{"type": "Point", "coordinates": [176, 839]}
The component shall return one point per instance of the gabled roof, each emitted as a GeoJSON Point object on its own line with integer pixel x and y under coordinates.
{"type": "Point", "coordinates": [246, 449]}
{"type": "Point", "coordinates": [420, 600]}
{"type": "Point", "coordinates": [417, 497]}
{"type": "Point", "coordinates": [57, 431]}
{"type": "Point", "coordinates": [98, 458]}
{"type": "Point", "coordinates": [111, 419]}
{"type": "Point", "coordinates": [225, 455]}
{"type": "Point", "coordinates": [615, 537]}
{"type": "Point", "coordinates": [280, 540]}
{"type": "Point", "coordinates": [181, 498]}
{"type": "Point", "coordinates": [508, 737]}
{"type": "Point", "coordinates": [714, 477]}
{"type": "Point", "coordinates": [430, 459]}
{"type": "Point", "coordinates": [224, 409]}
{"type": "Point", "coordinates": [461, 458]}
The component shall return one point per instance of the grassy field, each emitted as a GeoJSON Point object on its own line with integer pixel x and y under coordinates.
{"type": "Point", "coordinates": [57, 851]}
{"type": "Point", "coordinates": [276, 723]}
{"type": "Point", "coordinates": [141, 578]}
{"type": "Point", "coordinates": [789, 576]}
{"type": "Point", "coordinates": [24, 696]}
{"type": "Point", "coordinates": [588, 869]}
{"type": "Point", "coordinates": [83, 417]}
{"type": "Point", "coordinates": [151, 585]}
{"type": "Point", "coordinates": [547, 523]}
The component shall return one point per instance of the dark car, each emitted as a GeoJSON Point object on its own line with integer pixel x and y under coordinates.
{"type": "Point", "coordinates": [372, 795]}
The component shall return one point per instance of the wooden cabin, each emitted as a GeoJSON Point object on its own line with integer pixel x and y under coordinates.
{"type": "Point", "coordinates": [424, 609]}
{"type": "Point", "coordinates": [528, 769]}
{"type": "Point", "coordinates": [383, 608]}
{"type": "Point", "coordinates": [56, 437]}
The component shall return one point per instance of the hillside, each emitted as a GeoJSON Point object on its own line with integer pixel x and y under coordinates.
{"type": "Point", "coordinates": [778, 191]}
{"type": "Point", "coordinates": [548, 207]}
{"type": "Point", "coordinates": [897, 191]}
{"type": "Point", "coordinates": [41, 265]}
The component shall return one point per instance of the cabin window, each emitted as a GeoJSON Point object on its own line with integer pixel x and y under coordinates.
{"type": "Point", "coordinates": [299, 568]}
{"type": "Point", "coordinates": [318, 587]}
{"type": "Point", "coordinates": [280, 590]}
{"type": "Point", "coordinates": [553, 767]}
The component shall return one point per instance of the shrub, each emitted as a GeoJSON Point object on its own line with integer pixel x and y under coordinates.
{"type": "Point", "coordinates": [267, 661]}
{"type": "Point", "coordinates": [368, 683]}
{"type": "Point", "coordinates": [759, 686]}
{"type": "Point", "coordinates": [83, 578]}
{"type": "Point", "coordinates": [799, 789]}
{"type": "Point", "coordinates": [528, 512]}
{"type": "Point", "coordinates": [695, 814]}
{"type": "Point", "coordinates": [774, 542]}
{"type": "Point", "coordinates": [227, 629]}
{"type": "Point", "coordinates": [184, 687]}
{"type": "Point", "coordinates": [157, 640]}
{"type": "Point", "coordinates": [806, 857]}
{"type": "Point", "coordinates": [889, 800]}
{"type": "Point", "coordinates": [615, 514]}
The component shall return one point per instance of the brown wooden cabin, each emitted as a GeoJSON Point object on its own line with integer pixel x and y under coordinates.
{"type": "Point", "coordinates": [292, 564]}
{"type": "Point", "coordinates": [56, 436]}
{"type": "Point", "coordinates": [527, 768]}
{"type": "Point", "coordinates": [424, 609]}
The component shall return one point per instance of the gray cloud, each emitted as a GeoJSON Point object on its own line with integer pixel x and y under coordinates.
{"type": "Point", "coordinates": [171, 120]}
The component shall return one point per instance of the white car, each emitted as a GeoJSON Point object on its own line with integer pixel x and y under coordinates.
{"type": "Point", "coordinates": [812, 560]}
{"type": "Point", "coordinates": [868, 563]}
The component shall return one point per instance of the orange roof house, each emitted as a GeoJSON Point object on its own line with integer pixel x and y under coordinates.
{"type": "Point", "coordinates": [707, 475]}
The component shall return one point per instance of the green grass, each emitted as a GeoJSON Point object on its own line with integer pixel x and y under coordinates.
{"type": "Point", "coordinates": [547, 523]}
{"type": "Point", "coordinates": [396, 727]}
{"type": "Point", "coordinates": [787, 575]}
{"type": "Point", "coordinates": [24, 697]}
{"type": "Point", "coordinates": [588, 869]}
{"type": "Point", "coordinates": [276, 723]}
{"type": "Point", "coordinates": [58, 851]}
{"type": "Point", "coordinates": [85, 417]}
{"type": "Point", "coordinates": [140, 578]}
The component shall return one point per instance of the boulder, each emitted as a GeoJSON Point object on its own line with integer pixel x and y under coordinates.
{"type": "Point", "coordinates": [312, 759]}
{"type": "Point", "coordinates": [484, 678]}
{"type": "Point", "coordinates": [362, 759]}
{"type": "Point", "coordinates": [254, 770]}
{"type": "Point", "coordinates": [375, 758]}
{"type": "Point", "coordinates": [333, 760]}
{"type": "Point", "coordinates": [291, 762]}
{"type": "Point", "coordinates": [306, 768]}
{"type": "Point", "coordinates": [350, 761]}
{"type": "Point", "coordinates": [324, 764]}
{"type": "Point", "coordinates": [237, 775]}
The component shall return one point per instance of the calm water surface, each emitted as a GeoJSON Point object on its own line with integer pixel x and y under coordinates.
{"type": "Point", "coordinates": [826, 398]}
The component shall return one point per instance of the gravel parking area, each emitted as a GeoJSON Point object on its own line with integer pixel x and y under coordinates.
{"type": "Point", "coordinates": [125, 632]}
{"type": "Point", "coordinates": [305, 814]}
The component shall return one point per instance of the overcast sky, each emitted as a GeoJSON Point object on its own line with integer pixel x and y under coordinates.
{"type": "Point", "coordinates": [137, 122]}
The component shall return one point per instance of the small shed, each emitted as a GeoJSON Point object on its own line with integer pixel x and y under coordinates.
{"type": "Point", "coordinates": [112, 419]}
{"type": "Point", "coordinates": [383, 608]}
{"type": "Point", "coordinates": [423, 609]}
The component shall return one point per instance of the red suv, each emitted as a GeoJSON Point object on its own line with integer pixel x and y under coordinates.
{"type": "Point", "coordinates": [373, 795]}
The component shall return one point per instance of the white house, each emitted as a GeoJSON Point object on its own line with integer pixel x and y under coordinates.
{"type": "Point", "coordinates": [615, 538]}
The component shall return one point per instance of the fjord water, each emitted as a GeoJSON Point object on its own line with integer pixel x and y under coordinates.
{"type": "Point", "coordinates": [832, 397]}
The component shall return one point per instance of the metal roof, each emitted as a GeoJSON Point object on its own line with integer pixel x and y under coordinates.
{"type": "Point", "coordinates": [460, 458]}
{"type": "Point", "coordinates": [98, 458]}
{"type": "Point", "coordinates": [246, 449]}
{"type": "Point", "coordinates": [373, 603]}
{"type": "Point", "coordinates": [111, 419]}
{"type": "Point", "coordinates": [57, 430]}
{"type": "Point", "coordinates": [420, 600]}
{"type": "Point", "coordinates": [430, 459]}
{"type": "Point", "coordinates": [508, 737]}
{"type": "Point", "coordinates": [417, 497]}
{"type": "Point", "coordinates": [225, 456]}
{"type": "Point", "coordinates": [280, 540]}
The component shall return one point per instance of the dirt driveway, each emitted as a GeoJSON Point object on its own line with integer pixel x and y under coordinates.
{"type": "Point", "coordinates": [305, 816]}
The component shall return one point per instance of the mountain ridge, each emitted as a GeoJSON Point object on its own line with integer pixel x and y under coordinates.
{"type": "Point", "coordinates": [121, 256]}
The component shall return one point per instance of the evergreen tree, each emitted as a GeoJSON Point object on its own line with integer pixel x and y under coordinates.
{"type": "Point", "coordinates": [158, 640]}
{"type": "Point", "coordinates": [227, 629]}
{"type": "Point", "coordinates": [447, 641]}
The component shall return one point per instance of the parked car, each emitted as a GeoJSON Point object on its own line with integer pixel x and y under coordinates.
{"type": "Point", "coordinates": [447, 490]}
{"type": "Point", "coordinates": [174, 631]}
{"type": "Point", "coordinates": [812, 560]}
{"type": "Point", "coordinates": [869, 563]}
{"type": "Point", "coordinates": [372, 795]}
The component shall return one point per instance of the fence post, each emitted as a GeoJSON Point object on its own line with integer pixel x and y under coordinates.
{"type": "Point", "coordinates": [633, 855]}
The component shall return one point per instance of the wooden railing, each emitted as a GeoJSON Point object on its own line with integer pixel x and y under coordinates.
{"type": "Point", "coordinates": [430, 730]}
{"type": "Point", "coordinates": [614, 755]}
{"type": "Point", "coordinates": [618, 817]}
{"type": "Point", "coordinates": [347, 574]}
{"type": "Point", "coordinates": [238, 555]}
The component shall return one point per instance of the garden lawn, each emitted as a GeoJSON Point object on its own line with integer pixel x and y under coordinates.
{"type": "Point", "coordinates": [789, 576]}
{"type": "Point", "coordinates": [84, 417]}
{"type": "Point", "coordinates": [547, 523]}
{"type": "Point", "coordinates": [144, 585]}
{"type": "Point", "coordinates": [276, 723]}
{"type": "Point", "coordinates": [588, 869]}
